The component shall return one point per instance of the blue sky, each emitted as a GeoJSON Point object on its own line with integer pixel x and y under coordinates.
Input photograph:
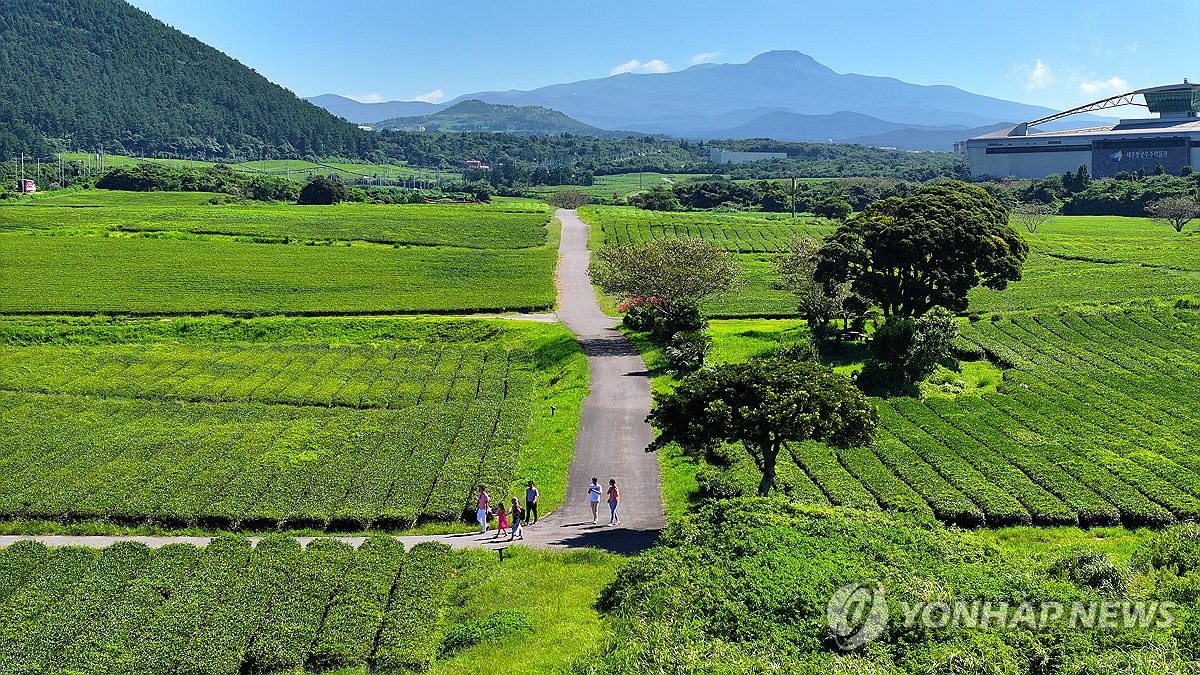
{"type": "Point", "coordinates": [1053, 53]}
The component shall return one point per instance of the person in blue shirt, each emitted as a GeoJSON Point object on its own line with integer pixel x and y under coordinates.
{"type": "Point", "coordinates": [531, 506]}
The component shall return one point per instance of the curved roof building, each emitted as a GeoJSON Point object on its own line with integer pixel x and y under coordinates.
{"type": "Point", "coordinates": [1170, 140]}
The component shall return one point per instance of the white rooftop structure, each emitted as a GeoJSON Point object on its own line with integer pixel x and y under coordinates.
{"type": "Point", "coordinates": [1171, 140]}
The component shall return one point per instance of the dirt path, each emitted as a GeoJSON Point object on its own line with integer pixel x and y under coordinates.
{"type": "Point", "coordinates": [612, 438]}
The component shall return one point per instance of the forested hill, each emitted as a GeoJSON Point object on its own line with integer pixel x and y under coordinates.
{"type": "Point", "coordinates": [80, 74]}
{"type": "Point", "coordinates": [529, 120]}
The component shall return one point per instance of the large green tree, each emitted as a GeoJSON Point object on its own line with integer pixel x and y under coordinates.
{"type": "Point", "coordinates": [911, 254]}
{"type": "Point", "coordinates": [765, 404]}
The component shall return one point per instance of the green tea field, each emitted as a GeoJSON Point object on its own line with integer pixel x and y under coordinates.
{"type": "Point", "coordinates": [224, 608]}
{"type": "Point", "coordinates": [317, 423]}
{"type": "Point", "coordinates": [1074, 260]}
{"type": "Point", "coordinates": [150, 253]}
{"type": "Point", "coordinates": [504, 224]}
{"type": "Point", "coordinates": [1080, 418]}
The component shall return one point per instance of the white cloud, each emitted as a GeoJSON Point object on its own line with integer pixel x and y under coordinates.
{"type": "Point", "coordinates": [366, 98]}
{"type": "Point", "coordinates": [1040, 77]}
{"type": "Point", "coordinates": [705, 57]}
{"type": "Point", "coordinates": [431, 96]}
{"type": "Point", "coordinates": [1113, 85]}
{"type": "Point", "coordinates": [1132, 49]}
{"type": "Point", "coordinates": [635, 66]}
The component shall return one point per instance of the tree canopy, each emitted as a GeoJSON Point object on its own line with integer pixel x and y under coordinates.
{"type": "Point", "coordinates": [765, 404]}
{"type": "Point", "coordinates": [321, 190]}
{"type": "Point", "coordinates": [910, 254]}
{"type": "Point", "coordinates": [668, 270]}
{"type": "Point", "coordinates": [1176, 211]}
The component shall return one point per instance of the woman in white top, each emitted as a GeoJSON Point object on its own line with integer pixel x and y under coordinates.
{"type": "Point", "coordinates": [594, 492]}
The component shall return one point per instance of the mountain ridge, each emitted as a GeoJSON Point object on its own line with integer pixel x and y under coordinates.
{"type": "Point", "coordinates": [475, 115]}
{"type": "Point", "coordinates": [761, 97]}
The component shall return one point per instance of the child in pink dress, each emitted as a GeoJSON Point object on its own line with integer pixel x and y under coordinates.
{"type": "Point", "coordinates": [502, 522]}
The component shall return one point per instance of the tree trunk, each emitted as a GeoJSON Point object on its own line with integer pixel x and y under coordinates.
{"type": "Point", "coordinates": [770, 455]}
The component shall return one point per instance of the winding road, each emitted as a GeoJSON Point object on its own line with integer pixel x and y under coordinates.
{"type": "Point", "coordinates": [612, 437]}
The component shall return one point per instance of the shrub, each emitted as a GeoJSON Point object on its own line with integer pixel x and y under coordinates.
{"type": "Point", "coordinates": [908, 350]}
{"type": "Point", "coordinates": [684, 317]}
{"type": "Point", "coordinates": [716, 483]}
{"type": "Point", "coordinates": [495, 627]}
{"type": "Point", "coordinates": [799, 351]}
{"type": "Point", "coordinates": [640, 317]}
{"type": "Point", "coordinates": [687, 350]}
{"type": "Point", "coordinates": [1176, 548]}
{"type": "Point", "coordinates": [1091, 569]}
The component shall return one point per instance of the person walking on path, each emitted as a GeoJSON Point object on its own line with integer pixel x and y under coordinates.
{"type": "Point", "coordinates": [594, 498]}
{"type": "Point", "coordinates": [481, 513]}
{"type": "Point", "coordinates": [531, 500]}
{"type": "Point", "coordinates": [501, 522]}
{"type": "Point", "coordinates": [614, 496]}
{"type": "Point", "coordinates": [517, 514]}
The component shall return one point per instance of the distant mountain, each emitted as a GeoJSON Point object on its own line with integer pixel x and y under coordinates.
{"type": "Point", "coordinates": [926, 138]}
{"type": "Point", "coordinates": [370, 113]}
{"type": "Point", "coordinates": [101, 73]}
{"type": "Point", "coordinates": [784, 95]}
{"type": "Point", "coordinates": [531, 120]}
{"type": "Point", "coordinates": [780, 80]}
{"type": "Point", "coordinates": [790, 126]}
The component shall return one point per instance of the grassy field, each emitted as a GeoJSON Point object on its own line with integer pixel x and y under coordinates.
{"type": "Point", "coordinates": [297, 169]}
{"type": "Point", "coordinates": [318, 423]}
{"type": "Point", "coordinates": [505, 224]}
{"type": "Point", "coordinates": [86, 275]}
{"type": "Point", "coordinates": [155, 253]}
{"type": "Point", "coordinates": [1073, 261]}
{"type": "Point", "coordinates": [230, 608]}
{"type": "Point", "coordinates": [736, 232]}
{"type": "Point", "coordinates": [623, 185]}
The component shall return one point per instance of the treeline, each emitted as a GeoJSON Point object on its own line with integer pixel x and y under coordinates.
{"type": "Point", "coordinates": [514, 174]}
{"type": "Point", "coordinates": [1076, 193]}
{"type": "Point", "coordinates": [146, 177]}
{"type": "Point", "coordinates": [831, 198]}
{"type": "Point", "coordinates": [825, 160]}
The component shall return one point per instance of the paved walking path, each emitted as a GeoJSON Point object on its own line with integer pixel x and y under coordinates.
{"type": "Point", "coordinates": [613, 435]}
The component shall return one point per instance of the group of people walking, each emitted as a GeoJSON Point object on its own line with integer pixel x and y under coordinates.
{"type": "Point", "coordinates": [514, 514]}
{"type": "Point", "coordinates": [510, 519]}
{"type": "Point", "coordinates": [614, 498]}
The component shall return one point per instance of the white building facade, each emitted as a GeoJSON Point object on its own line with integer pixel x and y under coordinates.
{"type": "Point", "coordinates": [1172, 140]}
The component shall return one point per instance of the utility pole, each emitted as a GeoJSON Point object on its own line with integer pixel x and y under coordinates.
{"type": "Point", "coordinates": [793, 200]}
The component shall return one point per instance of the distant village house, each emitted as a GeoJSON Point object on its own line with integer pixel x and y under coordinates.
{"type": "Point", "coordinates": [476, 164]}
{"type": "Point", "coordinates": [26, 187]}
